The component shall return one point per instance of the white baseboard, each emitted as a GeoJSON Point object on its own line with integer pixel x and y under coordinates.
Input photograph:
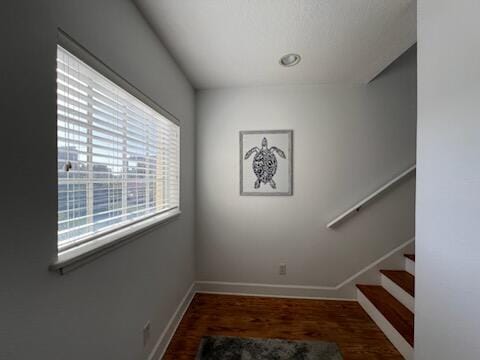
{"type": "Point", "coordinates": [200, 291]}
{"type": "Point", "coordinates": [167, 334]}
{"type": "Point", "coordinates": [343, 291]}
{"type": "Point", "coordinates": [269, 290]}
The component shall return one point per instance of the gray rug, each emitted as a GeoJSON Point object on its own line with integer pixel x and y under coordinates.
{"type": "Point", "coordinates": [235, 348]}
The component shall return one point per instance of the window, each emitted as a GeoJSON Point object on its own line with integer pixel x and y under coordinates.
{"type": "Point", "coordinates": [118, 158]}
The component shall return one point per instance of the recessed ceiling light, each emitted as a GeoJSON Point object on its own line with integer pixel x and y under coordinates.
{"type": "Point", "coordinates": [290, 60]}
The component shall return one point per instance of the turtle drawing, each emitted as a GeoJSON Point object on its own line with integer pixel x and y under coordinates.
{"type": "Point", "coordinates": [265, 163]}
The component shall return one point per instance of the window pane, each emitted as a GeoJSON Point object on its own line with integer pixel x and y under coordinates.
{"type": "Point", "coordinates": [118, 159]}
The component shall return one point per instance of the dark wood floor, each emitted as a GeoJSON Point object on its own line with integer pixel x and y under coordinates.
{"type": "Point", "coordinates": [343, 322]}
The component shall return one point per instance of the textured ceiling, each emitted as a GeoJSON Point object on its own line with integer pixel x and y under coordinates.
{"type": "Point", "coordinates": [226, 43]}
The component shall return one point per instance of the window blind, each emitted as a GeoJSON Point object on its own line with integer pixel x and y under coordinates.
{"type": "Point", "coordinates": [118, 158]}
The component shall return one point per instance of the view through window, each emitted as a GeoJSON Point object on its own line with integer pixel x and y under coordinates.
{"type": "Point", "coordinates": [118, 159]}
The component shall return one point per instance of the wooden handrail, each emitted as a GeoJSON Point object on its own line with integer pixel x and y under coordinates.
{"type": "Point", "coordinates": [354, 209]}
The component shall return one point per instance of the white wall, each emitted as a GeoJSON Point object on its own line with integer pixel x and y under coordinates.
{"type": "Point", "coordinates": [447, 314]}
{"type": "Point", "coordinates": [97, 311]}
{"type": "Point", "coordinates": [348, 141]}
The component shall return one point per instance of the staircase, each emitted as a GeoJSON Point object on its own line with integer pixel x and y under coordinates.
{"type": "Point", "coordinates": [391, 305]}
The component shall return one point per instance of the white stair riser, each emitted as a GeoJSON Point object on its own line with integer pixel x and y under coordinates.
{"type": "Point", "coordinates": [410, 266]}
{"type": "Point", "coordinates": [398, 293]}
{"type": "Point", "coordinates": [390, 332]}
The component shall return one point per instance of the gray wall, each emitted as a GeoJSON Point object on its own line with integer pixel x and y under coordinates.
{"type": "Point", "coordinates": [97, 311]}
{"type": "Point", "coordinates": [348, 141]}
{"type": "Point", "coordinates": [447, 293]}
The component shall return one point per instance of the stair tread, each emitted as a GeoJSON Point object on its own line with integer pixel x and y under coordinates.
{"type": "Point", "coordinates": [402, 278]}
{"type": "Point", "coordinates": [410, 256]}
{"type": "Point", "coordinates": [395, 312]}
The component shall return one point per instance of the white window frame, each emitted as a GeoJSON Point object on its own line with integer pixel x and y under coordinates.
{"type": "Point", "coordinates": [97, 245]}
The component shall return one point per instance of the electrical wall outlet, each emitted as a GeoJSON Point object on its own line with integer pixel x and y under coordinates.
{"type": "Point", "coordinates": [146, 333]}
{"type": "Point", "coordinates": [283, 269]}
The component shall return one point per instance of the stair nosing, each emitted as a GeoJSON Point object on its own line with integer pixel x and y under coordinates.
{"type": "Point", "coordinates": [410, 257]}
{"type": "Point", "coordinates": [398, 307]}
{"type": "Point", "coordinates": [408, 290]}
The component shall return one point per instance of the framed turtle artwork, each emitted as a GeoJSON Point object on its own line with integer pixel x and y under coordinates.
{"type": "Point", "coordinates": [266, 162]}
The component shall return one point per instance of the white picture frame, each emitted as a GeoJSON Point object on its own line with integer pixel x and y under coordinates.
{"type": "Point", "coordinates": [266, 163]}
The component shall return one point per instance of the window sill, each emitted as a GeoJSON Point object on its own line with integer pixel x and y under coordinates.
{"type": "Point", "coordinates": [78, 256]}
